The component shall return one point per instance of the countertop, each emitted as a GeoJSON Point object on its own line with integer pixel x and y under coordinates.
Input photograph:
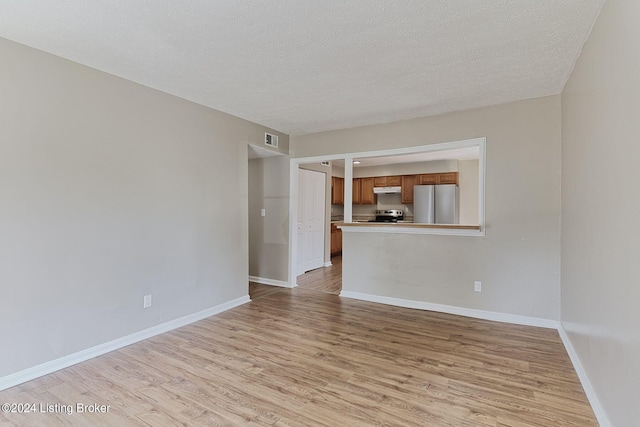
{"type": "Point", "coordinates": [408, 225]}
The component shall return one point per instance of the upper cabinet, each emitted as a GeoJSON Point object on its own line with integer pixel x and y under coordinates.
{"type": "Point", "coordinates": [448, 178]}
{"type": "Point", "coordinates": [337, 190]}
{"type": "Point", "coordinates": [408, 181]}
{"type": "Point", "coordinates": [363, 187]}
{"type": "Point", "coordinates": [438, 178]}
{"type": "Point", "coordinates": [427, 179]}
{"type": "Point", "coordinates": [387, 181]}
{"type": "Point", "coordinates": [363, 191]}
{"type": "Point", "coordinates": [367, 196]}
{"type": "Point", "coordinates": [356, 184]}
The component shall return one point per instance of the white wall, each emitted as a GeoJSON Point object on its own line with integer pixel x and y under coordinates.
{"type": "Point", "coordinates": [601, 210]}
{"type": "Point", "coordinates": [269, 234]}
{"type": "Point", "coordinates": [518, 260]}
{"type": "Point", "coordinates": [109, 191]}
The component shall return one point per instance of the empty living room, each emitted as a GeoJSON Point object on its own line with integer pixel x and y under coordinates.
{"type": "Point", "coordinates": [336, 213]}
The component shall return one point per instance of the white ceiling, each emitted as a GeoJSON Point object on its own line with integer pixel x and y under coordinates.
{"type": "Point", "coordinates": [303, 66]}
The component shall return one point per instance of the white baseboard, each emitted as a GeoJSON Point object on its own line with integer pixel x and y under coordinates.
{"type": "Point", "coordinates": [271, 282]}
{"type": "Point", "coordinates": [328, 264]}
{"type": "Point", "coordinates": [72, 359]}
{"type": "Point", "coordinates": [450, 309]}
{"type": "Point", "coordinates": [598, 410]}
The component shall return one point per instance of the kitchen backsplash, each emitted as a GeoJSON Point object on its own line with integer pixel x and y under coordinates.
{"type": "Point", "coordinates": [389, 201]}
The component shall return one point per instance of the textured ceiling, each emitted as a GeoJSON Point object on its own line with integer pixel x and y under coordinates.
{"type": "Point", "coordinates": [302, 66]}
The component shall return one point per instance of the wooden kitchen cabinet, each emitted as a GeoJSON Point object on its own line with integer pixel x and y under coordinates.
{"type": "Point", "coordinates": [337, 190]}
{"type": "Point", "coordinates": [387, 181]}
{"type": "Point", "coordinates": [356, 184]}
{"type": "Point", "coordinates": [367, 196]}
{"type": "Point", "coordinates": [362, 191]}
{"type": "Point", "coordinates": [363, 187]}
{"type": "Point", "coordinates": [439, 178]}
{"type": "Point", "coordinates": [336, 240]}
{"type": "Point", "coordinates": [394, 181]}
{"type": "Point", "coordinates": [428, 179]}
{"type": "Point", "coordinates": [408, 181]}
{"type": "Point", "coordinates": [448, 178]}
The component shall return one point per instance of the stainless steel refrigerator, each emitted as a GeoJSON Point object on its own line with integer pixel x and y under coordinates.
{"type": "Point", "coordinates": [436, 204]}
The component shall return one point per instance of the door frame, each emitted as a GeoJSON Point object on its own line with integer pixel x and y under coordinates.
{"type": "Point", "coordinates": [320, 197]}
{"type": "Point", "coordinates": [293, 208]}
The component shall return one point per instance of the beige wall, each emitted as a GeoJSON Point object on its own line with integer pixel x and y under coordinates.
{"type": "Point", "coordinates": [434, 166]}
{"type": "Point", "coordinates": [518, 260]}
{"type": "Point", "coordinates": [269, 235]}
{"type": "Point", "coordinates": [337, 171]}
{"type": "Point", "coordinates": [109, 191]}
{"type": "Point", "coordinates": [601, 210]}
{"type": "Point", "coordinates": [468, 182]}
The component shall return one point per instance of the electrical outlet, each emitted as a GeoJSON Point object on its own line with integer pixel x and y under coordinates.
{"type": "Point", "coordinates": [147, 301]}
{"type": "Point", "coordinates": [263, 212]}
{"type": "Point", "coordinates": [477, 286]}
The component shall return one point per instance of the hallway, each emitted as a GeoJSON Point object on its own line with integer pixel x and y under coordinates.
{"type": "Point", "coordinates": [324, 279]}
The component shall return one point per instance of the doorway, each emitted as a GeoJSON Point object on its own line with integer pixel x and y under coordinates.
{"type": "Point", "coordinates": [311, 219]}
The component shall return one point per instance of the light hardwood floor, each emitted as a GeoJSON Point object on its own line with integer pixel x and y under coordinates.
{"type": "Point", "coordinates": [324, 279]}
{"type": "Point", "coordinates": [294, 357]}
{"type": "Point", "coordinates": [258, 290]}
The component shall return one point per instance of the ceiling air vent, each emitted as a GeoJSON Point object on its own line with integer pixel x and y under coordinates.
{"type": "Point", "coordinates": [271, 140]}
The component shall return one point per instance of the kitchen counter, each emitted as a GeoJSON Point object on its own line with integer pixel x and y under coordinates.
{"type": "Point", "coordinates": [411, 228]}
{"type": "Point", "coordinates": [408, 225]}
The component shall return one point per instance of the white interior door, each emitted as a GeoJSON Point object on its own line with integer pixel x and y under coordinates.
{"type": "Point", "coordinates": [311, 200]}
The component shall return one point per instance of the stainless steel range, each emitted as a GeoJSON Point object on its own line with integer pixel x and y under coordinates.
{"type": "Point", "coordinates": [389, 215]}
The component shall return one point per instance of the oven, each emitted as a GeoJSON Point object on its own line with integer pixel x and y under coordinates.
{"type": "Point", "coordinates": [388, 215]}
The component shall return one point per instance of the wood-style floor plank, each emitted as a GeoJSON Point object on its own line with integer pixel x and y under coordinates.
{"type": "Point", "coordinates": [258, 290]}
{"type": "Point", "coordinates": [298, 357]}
{"type": "Point", "coordinates": [323, 279]}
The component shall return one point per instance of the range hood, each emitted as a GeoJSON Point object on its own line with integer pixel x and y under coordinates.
{"type": "Point", "coordinates": [387, 190]}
